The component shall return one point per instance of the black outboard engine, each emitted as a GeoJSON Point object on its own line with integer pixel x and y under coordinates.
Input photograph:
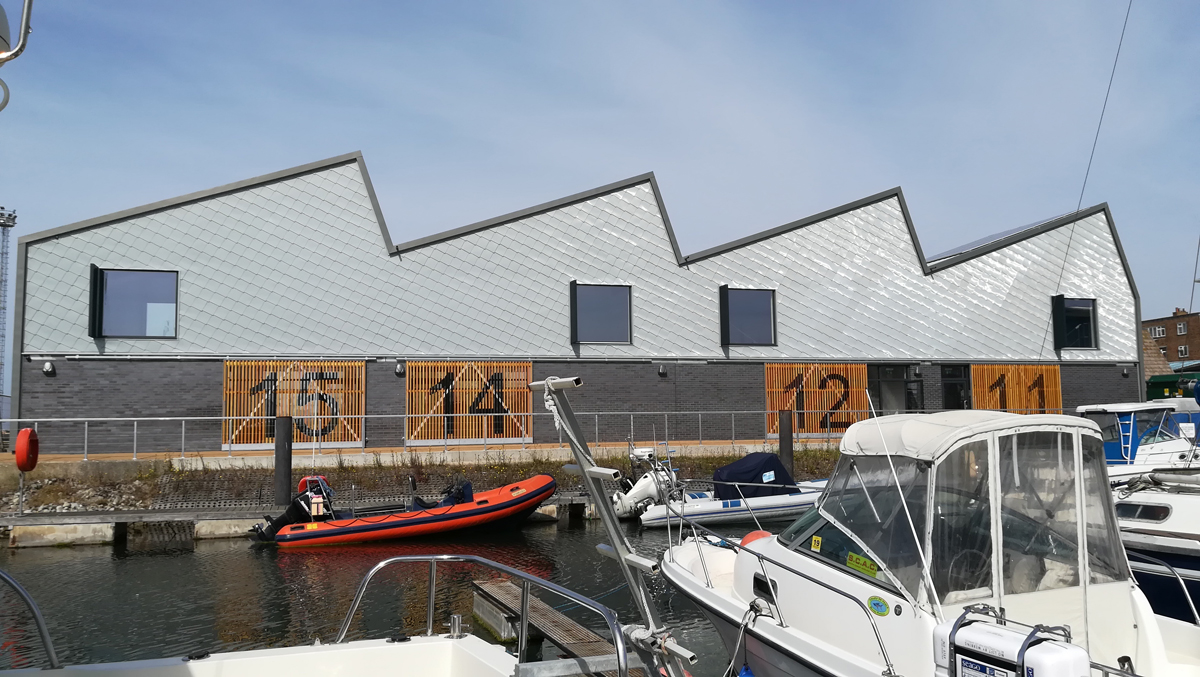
{"type": "Point", "coordinates": [312, 503]}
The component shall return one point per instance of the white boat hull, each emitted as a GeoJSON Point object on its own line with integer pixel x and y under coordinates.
{"type": "Point", "coordinates": [703, 508]}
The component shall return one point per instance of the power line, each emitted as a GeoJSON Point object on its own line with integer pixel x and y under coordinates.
{"type": "Point", "coordinates": [1104, 107]}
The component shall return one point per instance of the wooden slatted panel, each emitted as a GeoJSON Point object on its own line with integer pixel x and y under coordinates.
{"type": "Point", "coordinates": [832, 396]}
{"type": "Point", "coordinates": [326, 399]}
{"type": "Point", "coordinates": [1019, 388]}
{"type": "Point", "coordinates": [485, 400]}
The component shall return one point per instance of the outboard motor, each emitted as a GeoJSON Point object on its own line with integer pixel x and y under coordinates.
{"type": "Point", "coordinates": [313, 503]}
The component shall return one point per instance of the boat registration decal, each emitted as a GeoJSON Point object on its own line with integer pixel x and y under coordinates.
{"type": "Point", "coordinates": [861, 564]}
{"type": "Point", "coordinates": [816, 544]}
{"type": "Point", "coordinates": [769, 476]}
{"type": "Point", "coordinates": [311, 525]}
{"type": "Point", "coordinates": [879, 606]}
{"type": "Point", "coordinates": [518, 491]}
{"type": "Point", "coordinates": [972, 669]}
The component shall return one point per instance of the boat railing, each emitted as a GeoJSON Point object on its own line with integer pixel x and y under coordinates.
{"type": "Point", "coordinates": [528, 582]}
{"type": "Point", "coordinates": [762, 561]}
{"type": "Point", "coordinates": [1187, 596]}
{"type": "Point", "coordinates": [40, 622]}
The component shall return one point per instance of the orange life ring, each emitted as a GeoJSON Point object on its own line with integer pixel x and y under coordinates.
{"type": "Point", "coordinates": [26, 449]}
{"type": "Point", "coordinates": [303, 486]}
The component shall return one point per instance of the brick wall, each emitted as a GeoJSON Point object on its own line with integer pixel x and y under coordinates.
{"type": "Point", "coordinates": [637, 387]}
{"type": "Point", "coordinates": [385, 395]}
{"type": "Point", "coordinates": [123, 389]}
{"type": "Point", "coordinates": [1098, 384]}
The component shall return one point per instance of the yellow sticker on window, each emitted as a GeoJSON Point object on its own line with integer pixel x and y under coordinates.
{"type": "Point", "coordinates": [816, 544]}
{"type": "Point", "coordinates": [311, 525]}
{"type": "Point", "coordinates": [861, 564]}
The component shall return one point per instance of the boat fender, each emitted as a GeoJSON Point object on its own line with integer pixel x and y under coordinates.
{"type": "Point", "coordinates": [26, 449]}
{"type": "Point", "coordinates": [303, 486]}
{"type": "Point", "coordinates": [753, 536]}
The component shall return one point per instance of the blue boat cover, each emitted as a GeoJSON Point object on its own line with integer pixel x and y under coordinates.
{"type": "Point", "coordinates": [757, 468]}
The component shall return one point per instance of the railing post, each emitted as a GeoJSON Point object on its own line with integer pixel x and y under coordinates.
{"type": "Point", "coordinates": [182, 438]}
{"type": "Point", "coordinates": [631, 440]}
{"type": "Point", "coordinates": [85, 440]}
{"type": "Point", "coordinates": [700, 429]}
{"type": "Point", "coordinates": [732, 430]}
{"type": "Point", "coordinates": [135, 440]}
{"type": "Point", "coordinates": [283, 460]}
{"type": "Point", "coordinates": [597, 429]}
{"type": "Point", "coordinates": [432, 591]}
{"type": "Point", "coordinates": [667, 430]}
{"type": "Point", "coordinates": [523, 629]}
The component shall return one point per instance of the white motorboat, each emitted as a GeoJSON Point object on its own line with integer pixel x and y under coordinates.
{"type": "Point", "coordinates": [1159, 517]}
{"type": "Point", "coordinates": [659, 495]}
{"type": "Point", "coordinates": [1140, 436]}
{"type": "Point", "coordinates": [933, 524]}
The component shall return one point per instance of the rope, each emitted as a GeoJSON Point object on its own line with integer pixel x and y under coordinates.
{"type": "Point", "coordinates": [747, 619]}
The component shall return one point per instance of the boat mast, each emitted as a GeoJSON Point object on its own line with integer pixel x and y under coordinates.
{"type": "Point", "coordinates": [652, 641]}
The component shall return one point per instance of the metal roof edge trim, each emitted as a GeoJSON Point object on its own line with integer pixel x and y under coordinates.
{"type": "Point", "coordinates": [533, 211]}
{"type": "Point", "coordinates": [801, 223]}
{"type": "Point", "coordinates": [1021, 236]}
{"type": "Point", "coordinates": [234, 187]}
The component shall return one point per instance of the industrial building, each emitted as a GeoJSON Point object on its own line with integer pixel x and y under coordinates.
{"type": "Point", "coordinates": [284, 294]}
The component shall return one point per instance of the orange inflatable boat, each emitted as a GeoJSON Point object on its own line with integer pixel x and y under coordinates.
{"type": "Point", "coordinates": [311, 519]}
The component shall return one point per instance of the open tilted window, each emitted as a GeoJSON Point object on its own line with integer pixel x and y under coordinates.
{"type": "Point", "coordinates": [132, 303]}
{"type": "Point", "coordinates": [1074, 322]}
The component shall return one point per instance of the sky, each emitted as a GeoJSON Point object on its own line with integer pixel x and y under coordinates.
{"type": "Point", "coordinates": [751, 115]}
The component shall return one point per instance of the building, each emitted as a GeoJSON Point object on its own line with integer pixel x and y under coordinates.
{"type": "Point", "coordinates": [284, 294]}
{"type": "Point", "coordinates": [1177, 337]}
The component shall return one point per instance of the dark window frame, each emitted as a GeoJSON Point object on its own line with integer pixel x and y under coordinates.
{"type": "Point", "coordinates": [575, 284]}
{"type": "Point", "coordinates": [1058, 312]}
{"type": "Point", "coordinates": [96, 303]}
{"type": "Point", "coordinates": [726, 333]}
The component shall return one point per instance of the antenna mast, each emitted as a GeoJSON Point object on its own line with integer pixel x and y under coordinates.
{"type": "Point", "coordinates": [8, 220]}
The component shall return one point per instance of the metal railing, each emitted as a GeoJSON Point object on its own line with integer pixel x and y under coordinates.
{"type": "Point", "coordinates": [40, 622]}
{"type": "Point", "coordinates": [1187, 596]}
{"type": "Point", "coordinates": [527, 582]}
{"type": "Point", "coordinates": [78, 434]}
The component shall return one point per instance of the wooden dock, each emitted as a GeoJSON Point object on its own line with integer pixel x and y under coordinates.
{"type": "Point", "coordinates": [572, 638]}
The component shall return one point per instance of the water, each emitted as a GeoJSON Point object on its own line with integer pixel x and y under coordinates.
{"type": "Point", "coordinates": [102, 605]}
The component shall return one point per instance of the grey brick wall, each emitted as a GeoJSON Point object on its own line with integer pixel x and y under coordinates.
{"type": "Point", "coordinates": [637, 387]}
{"type": "Point", "coordinates": [385, 395]}
{"type": "Point", "coordinates": [931, 382]}
{"type": "Point", "coordinates": [1098, 384]}
{"type": "Point", "coordinates": [123, 389]}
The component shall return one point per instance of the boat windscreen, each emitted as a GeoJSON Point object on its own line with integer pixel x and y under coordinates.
{"type": "Point", "coordinates": [1156, 426]}
{"type": "Point", "coordinates": [1106, 556]}
{"type": "Point", "coordinates": [862, 498]}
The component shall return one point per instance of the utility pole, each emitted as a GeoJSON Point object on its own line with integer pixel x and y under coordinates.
{"type": "Point", "coordinates": [8, 220]}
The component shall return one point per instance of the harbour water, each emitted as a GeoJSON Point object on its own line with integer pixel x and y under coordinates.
{"type": "Point", "coordinates": [104, 605]}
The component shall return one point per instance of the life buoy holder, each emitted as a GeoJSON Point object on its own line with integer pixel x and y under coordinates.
{"type": "Point", "coordinates": [26, 449]}
{"type": "Point", "coordinates": [303, 486]}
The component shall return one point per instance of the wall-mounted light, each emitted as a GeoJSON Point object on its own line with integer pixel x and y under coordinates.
{"type": "Point", "coordinates": [662, 370]}
{"type": "Point", "coordinates": [400, 368]}
{"type": "Point", "coordinates": [1125, 372]}
{"type": "Point", "coordinates": [48, 369]}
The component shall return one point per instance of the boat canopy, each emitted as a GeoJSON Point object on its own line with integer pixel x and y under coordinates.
{"type": "Point", "coordinates": [971, 506]}
{"type": "Point", "coordinates": [1126, 407]}
{"type": "Point", "coordinates": [931, 436]}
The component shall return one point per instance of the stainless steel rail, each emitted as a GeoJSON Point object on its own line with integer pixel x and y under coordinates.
{"type": "Point", "coordinates": [1154, 560]}
{"type": "Point", "coordinates": [527, 582]}
{"type": "Point", "coordinates": [37, 618]}
{"type": "Point", "coordinates": [890, 670]}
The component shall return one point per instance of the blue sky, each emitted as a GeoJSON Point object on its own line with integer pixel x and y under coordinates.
{"type": "Point", "coordinates": [750, 114]}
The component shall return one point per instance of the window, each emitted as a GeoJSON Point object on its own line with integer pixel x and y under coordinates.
{"type": "Point", "coordinates": [747, 317]}
{"type": "Point", "coordinates": [895, 389]}
{"type": "Point", "coordinates": [1158, 332]}
{"type": "Point", "coordinates": [1148, 512]}
{"type": "Point", "coordinates": [132, 303]}
{"type": "Point", "coordinates": [1038, 512]}
{"type": "Point", "coordinates": [1074, 322]}
{"type": "Point", "coordinates": [956, 387]}
{"type": "Point", "coordinates": [1180, 328]}
{"type": "Point", "coordinates": [961, 551]}
{"type": "Point", "coordinates": [601, 313]}
{"type": "Point", "coordinates": [1182, 350]}
{"type": "Point", "coordinates": [1106, 557]}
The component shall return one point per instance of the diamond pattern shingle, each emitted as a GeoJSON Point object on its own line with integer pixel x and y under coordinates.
{"type": "Point", "coordinates": [298, 266]}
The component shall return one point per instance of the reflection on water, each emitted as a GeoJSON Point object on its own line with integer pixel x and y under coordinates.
{"type": "Point", "coordinates": [103, 606]}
